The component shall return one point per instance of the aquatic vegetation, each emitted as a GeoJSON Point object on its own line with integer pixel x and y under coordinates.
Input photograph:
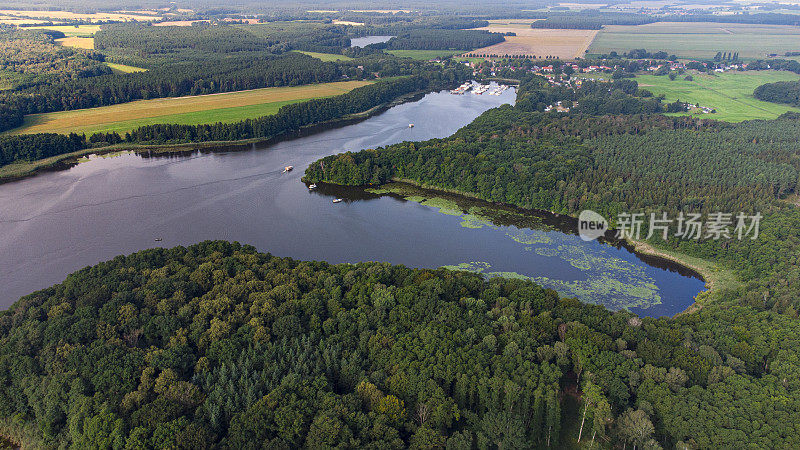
{"type": "Point", "coordinates": [610, 281]}
{"type": "Point", "coordinates": [607, 289]}
{"type": "Point", "coordinates": [529, 237]}
{"type": "Point", "coordinates": [445, 206]}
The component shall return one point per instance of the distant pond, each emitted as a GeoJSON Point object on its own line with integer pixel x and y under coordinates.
{"type": "Point", "coordinates": [367, 40]}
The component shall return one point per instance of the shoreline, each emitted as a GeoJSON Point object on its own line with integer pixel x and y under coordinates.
{"type": "Point", "coordinates": [20, 170]}
{"type": "Point", "coordinates": [712, 274]}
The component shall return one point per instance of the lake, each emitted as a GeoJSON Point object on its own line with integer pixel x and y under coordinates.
{"type": "Point", "coordinates": [367, 40]}
{"type": "Point", "coordinates": [58, 222]}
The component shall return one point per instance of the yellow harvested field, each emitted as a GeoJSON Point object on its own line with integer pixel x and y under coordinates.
{"type": "Point", "coordinates": [17, 21]}
{"type": "Point", "coordinates": [540, 42]}
{"type": "Point", "coordinates": [93, 118]}
{"type": "Point", "coordinates": [71, 15]}
{"type": "Point", "coordinates": [79, 42]}
{"type": "Point", "coordinates": [347, 22]}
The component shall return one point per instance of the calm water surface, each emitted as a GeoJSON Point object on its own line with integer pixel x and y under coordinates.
{"type": "Point", "coordinates": [366, 40]}
{"type": "Point", "coordinates": [58, 222]}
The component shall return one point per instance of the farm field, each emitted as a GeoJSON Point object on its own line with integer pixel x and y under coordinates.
{"type": "Point", "coordinates": [565, 44]}
{"type": "Point", "coordinates": [730, 93]}
{"type": "Point", "coordinates": [226, 107]}
{"type": "Point", "coordinates": [77, 42]}
{"type": "Point", "coordinates": [72, 30]}
{"type": "Point", "coordinates": [326, 56]}
{"type": "Point", "coordinates": [698, 39]}
{"type": "Point", "coordinates": [65, 15]}
{"type": "Point", "coordinates": [423, 54]}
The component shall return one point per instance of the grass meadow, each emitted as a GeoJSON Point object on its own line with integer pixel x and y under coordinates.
{"type": "Point", "coordinates": [730, 93]}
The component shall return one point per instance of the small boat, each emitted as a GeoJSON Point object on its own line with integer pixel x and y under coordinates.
{"type": "Point", "coordinates": [337, 200]}
{"type": "Point", "coordinates": [411, 125]}
{"type": "Point", "coordinates": [158, 239]}
{"type": "Point", "coordinates": [288, 169]}
{"type": "Point", "coordinates": [312, 186]}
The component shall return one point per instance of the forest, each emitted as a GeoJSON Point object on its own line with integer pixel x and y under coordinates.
{"type": "Point", "coordinates": [589, 19]}
{"type": "Point", "coordinates": [30, 147]}
{"type": "Point", "coordinates": [206, 38]}
{"type": "Point", "coordinates": [31, 57]}
{"type": "Point", "coordinates": [217, 345]}
{"type": "Point", "coordinates": [779, 92]}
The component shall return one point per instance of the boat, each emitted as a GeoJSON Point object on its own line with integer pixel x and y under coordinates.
{"type": "Point", "coordinates": [158, 239]}
{"type": "Point", "coordinates": [337, 200]}
{"type": "Point", "coordinates": [312, 186]}
{"type": "Point", "coordinates": [288, 169]}
{"type": "Point", "coordinates": [411, 125]}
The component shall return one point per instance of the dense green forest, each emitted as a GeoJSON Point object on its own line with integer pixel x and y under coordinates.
{"type": "Point", "coordinates": [30, 147]}
{"type": "Point", "coordinates": [218, 345]}
{"type": "Point", "coordinates": [589, 19]}
{"type": "Point", "coordinates": [31, 57]}
{"type": "Point", "coordinates": [206, 38]}
{"type": "Point", "coordinates": [780, 92]}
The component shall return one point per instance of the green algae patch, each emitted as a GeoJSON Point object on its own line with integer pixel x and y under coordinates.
{"type": "Point", "coordinates": [635, 291]}
{"type": "Point", "coordinates": [529, 237]}
{"type": "Point", "coordinates": [444, 206]}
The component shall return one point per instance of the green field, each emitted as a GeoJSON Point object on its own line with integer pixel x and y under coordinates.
{"type": "Point", "coordinates": [327, 56]}
{"type": "Point", "coordinates": [122, 68]}
{"type": "Point", "coordinates": [225, 107]}
{"type": "Point", "coordinates": [699, 39]}
{"type": "Point", "coordinates": [730, 93]}
{"type": "Point", "coordinates": [424, 54]}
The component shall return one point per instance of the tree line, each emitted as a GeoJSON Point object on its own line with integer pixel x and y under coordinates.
{"type": "Point", "coordinates": [179, 79]}
{"type": "Point", "coordinates": [442, 40]}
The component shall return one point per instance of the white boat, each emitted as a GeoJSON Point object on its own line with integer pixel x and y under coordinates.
{"type": "Point", "coordinates": [411, 125]}
{"type": "Point", "coordinates": [288, 169]}
{"type": "Point", "coordinates": [337, 200]}
{"type": "Point", "coordinates": [312, 186]}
